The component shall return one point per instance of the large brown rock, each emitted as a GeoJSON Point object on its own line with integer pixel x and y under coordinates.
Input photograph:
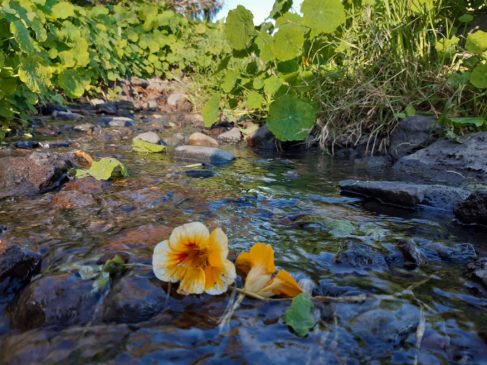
{"type": "Point", "coordinates": [36, 173]}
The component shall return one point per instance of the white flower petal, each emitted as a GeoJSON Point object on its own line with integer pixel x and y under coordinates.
{"type": "Point", "coordinates": [195, 233]}
{"type": "Point", "coordinates": [160, 259]}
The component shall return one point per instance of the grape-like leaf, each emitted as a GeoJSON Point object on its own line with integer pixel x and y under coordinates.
{"type": "Point", "coordinates": [264, 43]}
{"type": "Point", "coordinates": [63, 10]}
{"type": "Point", "coordinates": [254, 100]}
{"type": "Point", "coordinates": [239, 28]}
{"type": "Point", "coordinates": [211, 111]}
{"type": "Point", "coordinates": [22, 36]}
{"type": "Point", "coordinates": [35, 73]}
{"type": "Point", "coordinates": [323, 16]}
{"type": "Point", "coordinates": [73, 82]}
{"type": "Point", "coordinates": [280, 8]}
{"type": "Point", "coordinates": [288, 42]}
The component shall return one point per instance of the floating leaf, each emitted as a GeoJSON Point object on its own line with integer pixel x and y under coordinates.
{"type": "Point", "coordinates": [290, 119]}
{"type": "Point", "coordinates": [211, 111]}
{"type": "Point", "coordinates": [288, 42]}
{"type": "Point", "coordinates": [323, 16]}
{"type": "Point", "coordinates": [140, 145]}
{"type": "Point", "coordinates": [239, 28]}
{"type": "Point", "coordinates": [299, 316]}
{"type": "Point", "coordinates": [478, 77]}
{"type": "Point", "coordinates": [477, 42]}
{"type": "Point", "coordinates": [114, 266]}
{"type": "Point", "coordinates": [107, 168]}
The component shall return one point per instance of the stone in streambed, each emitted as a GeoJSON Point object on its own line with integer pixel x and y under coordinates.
{"type": "Point", "coordinates": [211, 155]}
{"type": "Point", "coordinates": [200, 139]}
{"type": "Point", "coordinates": [176, 139]}
{"type": "Point", "coordinates": [117, 122]}
{"type": "Point", "coordinates": [232, 136]}
{"type": "Point", "coordinates": [149, 137]}
{"type": "Point", "coordinates": [473, 210]}
{"type": "Point", "coordinates": [66, 115]}
{"type": "Point", "coordinates": [262, 139]}
{"type": "Point", "coordinates": [72, 200]}
{"type": "Point", "coordinates": [478, 270]}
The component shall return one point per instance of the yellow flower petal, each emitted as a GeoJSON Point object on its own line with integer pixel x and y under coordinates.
{"type": "Point", "coordinates": [193, 281]}
{"type": "Point", "coordinates": [282, 284]}
{"type": "Point", "coordinates": [191, 234]}
{"type": "Point", "coordinates": [217, 248]}
{"type": "Point", "coordinates": [261, 256]}
{"type": "Point", "coordinates": [161, 263]}
{"type": "Point", "coordinates": [217, 280]}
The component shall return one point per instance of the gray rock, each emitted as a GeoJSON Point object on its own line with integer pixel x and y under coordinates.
{"type": "Point", "coordinates": [150, 137]}
{"type": "Point", "coordinates": [478, 270]}
{"type": "Point", "coordinates": [211, 155]}
{"type": "Point", "coordinates": [360, 257]}
{"type": "Point", "coordinates": [473, 210]}
{"type": "Point", "coordinates": [17, 266]}
{"type": "Point", "coordinates": [133, 299]}
{"type": "Point", "coordinates": [406, 195]}
{"type": "Point", "coordinates": [66, 115]}
{"type": "Point", "coordinates": [61, 300]}
{"type": "Point", "coordinates": [84, 127]}
{"type": "Point", "coordinates": [176, 139]}
{"type": "Point", "coordinates": [232, 136]}
{"type": "Point", "coordinates": [412, 134]}
{"type": "Point", "coordinates": [262, 138]}
{"type": "Point", "coordinates": [175, 99]}
{"type": "Point", "coordinates": [36, 173]}
{"type": "Point", "coordinates": [447, 161]}
{"type": "Point", "coordinates": [117, 122]}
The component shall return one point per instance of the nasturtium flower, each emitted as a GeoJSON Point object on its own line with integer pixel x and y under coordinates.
{"type": "Point", "coordinates": [196, 259]}
{"type": "Point", "coordinates": [258, 265]}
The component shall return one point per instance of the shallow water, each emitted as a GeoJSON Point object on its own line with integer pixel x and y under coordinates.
{"type": "Point", "coordinates": [289, 201]}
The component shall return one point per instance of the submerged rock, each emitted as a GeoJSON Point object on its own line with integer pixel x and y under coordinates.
{"type": "Point", "coordinates": [473, 210]}
{"type": "Point", "coordinates": [61, 300]}
{"type": "Point", "coordinates": [72, 200]}
{"type": "Point", "coordinates": [176, 139]}
{"type": "Point", "coordinates": [36, 173]}
{"type": "Point", "coordinates": [84, 127]}
{"type": "Point", "coordinates": [406, 195]}
{"type": "Point", "coordinates": [66, 115]}
{"type": "Point", "coordinates": [17, 266]}
{"type": "Point", "coordinates": [412, 134]}
{"type": "Point", "coordinates": [117, 122]}
{"type": "Point", "coordinates": [133, 299]}
{"type": "Point", "coordinates": [211, 155]}
{"type": "Point", "coordinates": [232, 136]}
{"type": "Point", "coordinates": [478, 270]}
{"type": "Point", "coordinates": [447, 161]}
{"type": "Point", "coordinates": [200, 139]}
{"type": "Point", "coordinates": [360, 257]}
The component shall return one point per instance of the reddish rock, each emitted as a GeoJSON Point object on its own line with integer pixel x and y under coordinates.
{"type": "Point", "coordinates": [86, 185]}
{"type": "Point", "coordinates": [147, 235]}
{"type": "Point", "coordinates": [72, 199]}
{"type": "Point", "coordinates": [200, 139]}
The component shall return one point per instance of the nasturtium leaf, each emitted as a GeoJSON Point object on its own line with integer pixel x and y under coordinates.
{"type": "Point", "coordinates": [478, 77]}
{"type": "Point", "coordinates": [35, 73]}
{"type": "Point", "coordinates": [254, 100]}
{"type": "Point", "coordinates": [107, 168]}
{"type": "Point", "coordinates": [477, 42]}
{"type": "Point", "coordinates": [140, 145]}
{"type": "Point", "coordinates": [290, 119]}
{"type": "Point", "coordinates": [323, 16]}
{"type": "Point", "coordinates": [466, 18]}
{"type": "Point", "coordinates": [22, 36]}
{"type": "Point", "coordinates": [230, 80]}
{"type": "Point", "coordinates": [288, 42]}
{"type": "Point", "coordinates": [299, 316]}
{"type": "Point", "coordinates": [211, 111]}
{"type": "Point", "coordinates": [280, 7]}
{"type": "Point", "coordinates": [472, 121]}
{"type": "Point", "coordinates": [62, 10]}
{"type": "Point", "coordinates": [272, 85]}
{"type": "Point", "coordinates": [264, 44]}
{"type": "Point", "coordinates": [73, 82]}
{"type": "Point", "coordinates": [258, 83]}
{"type": "Point", "coordinates": [239, 28]}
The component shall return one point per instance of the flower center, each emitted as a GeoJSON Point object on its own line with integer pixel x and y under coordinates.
{"type": "Point", "coordinates": [193, 256]}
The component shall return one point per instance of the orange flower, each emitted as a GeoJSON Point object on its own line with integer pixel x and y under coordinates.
{"type": "Point", "coordinates": [196, 259]}
{"type": "Point", "coordinates": [258, 265]}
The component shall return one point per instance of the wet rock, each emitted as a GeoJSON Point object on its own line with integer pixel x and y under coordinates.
{"type": "Point", "coordinates": [360, 257]}
{"type": "Point", "coordinates": [45, 131]}
{"type": "Point", "coordinates": [149, 137]}
{"type": "Point", "coordinates": [17, 266]}
{"type": "Point", "coordinates": [102, 106]}
{"type": "Point", "coordinates": [72, 200]}
{"type": "Point", "coordinates": [211, 155]}
{"type": "Point", "coordinates": [200, 139]}
{"type": "Point", "coordinates": [146, 236]}
{"type": "Point", "coordinates": [27, 144]}
{"type": "Point", "coordinates": [79, 345]}
{"type": "Point", "coordinates": [478, 270]}
{"type": "Point", "coordinates": [406, 195]}
{"type": "Point", "coordinates": [447, 161]}
{"type": "Point", "coordinates": [133, 299]}
{"type": "Point", "coordinates": [84, 127]}
{"type": "Point", "coordinates": [66, 115]}
{"type": "Point", "coordinates": [232, 136]}
{"type": "Point", "coordinates": [473, 210]}
{"type": "Point", "coordinates": [36, 173]}
{"type": "Point", "coordinates": [61, 300]}
{"type": "Point", "coordinates": [262, 138]}
{"type": "Point", "coordinates": [199, 174]}
{"type": "Point", "coordinates": [86, 185]}
{"type": "Point", "coordinates": [412, 134]}
{"type": "Point", "coordinates": [117, 122]}
{"type": "Point", "coordinates": [48, 109]}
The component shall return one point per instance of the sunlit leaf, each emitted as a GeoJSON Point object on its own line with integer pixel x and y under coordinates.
{"type": "Point", "coordinates": [254, 100]}
{"type": "Point", "coordinates": [239, 28]}
{"type": "Point", "coordinates": [140, 145]}
{"type": "Point", "coordinates": [323, 16]}
{"type": "Point", "coordinates": [478, 77]}
{"type": "Point", "coordinates": [477, 42]}
{"type": "Point", "coordinates": [35, 73]}
{"type": "Point", "coordinates": [288, 42]}
{"type": "Point", "coordinates": [211, 111]}
{"type": "Point", "coordinates": [107, 168]}
{"type": "Point", "coordinates": [63, 10]}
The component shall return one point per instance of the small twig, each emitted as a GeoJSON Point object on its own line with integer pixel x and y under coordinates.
{"type": "Point", "coordinates": [420, 333]}
{"type": "Point", "coordinates": [229, 314]}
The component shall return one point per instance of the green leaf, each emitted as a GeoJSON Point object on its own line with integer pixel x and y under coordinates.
{"type": "Point", "coordinates": [264, 43]}
{"type": "Point", "coordinates": [272, 85]}
{"type": "Point", "coordinates": [229, 81]}
{"type": "Point", "coordinates": [478, 77]}
{"type": "Point", "coordinates": [290, 119]}
{"type": "Point", "coordinates": [107, 168]}
{"type": "Point", "coordinates": [420, 6]}
{"type": "Point", "coordinates": [254, 100]}
{"type": "Point", "coordinates": [466, 18]}
{"type": "Point", "coordinates": [288, 42]}
{"type": "Point", "coordinates": [35, 73]}
{"type": "Point", "coordinates": [280, 7]}
{"type": "Point", "coordinates": [73, 82]}
{"type": "Point", "coordinates": [63, 10]}
{"type": "Point", "coordinates": [477, 42]}
{"type": "Point", "coordinates": [22, 36]}
{"type": "Point", "coordinates": [211, 111]}
{"type": "Point", "coordinates": [323, 16]}
{"type": "Point", "coordinates": [239, 28]}
{"type": "Point", "coordinates": [299, 316]}
{"type": "Point", "coordinates": [473, 121]}
{"type": "Point", "coordinates": [410, 111]}
{"type": "Point", "coordinates": [139, 145]}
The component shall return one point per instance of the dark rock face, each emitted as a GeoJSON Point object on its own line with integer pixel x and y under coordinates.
{"type": "Point", "coordinates": [361, 257]}
{"type": "Point", "coordinates": [61, 300]}
{"type": "Point", "coordinates": [478, 270]}
{"type": "Point", "coordinates": [406, 195]}
{"type": "Point", "coordinates": [37, 173]}
{"type": "Point", "coordinates": [17, 266]}
{"type": "Point", "coordinates": [447, 161]}
{"type": "Point", "coordinates": [473, 210]}
{"type": "Point", "coordinates": [412, 134]}
{"type": "Point", "coordinates": [263, 139]}
{"type": "Point", "coordinates": [211, 155]}
{"type": "Point", "coordinates": [133, 299]}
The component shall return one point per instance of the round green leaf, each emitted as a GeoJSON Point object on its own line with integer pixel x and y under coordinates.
{"type": "Point", "coordinates": [288, 42]}
{"type": "Point", "coordinates": [107, 168]}
{"type": "Point", "coordinates": [239, 28]}
{"type": "Point", "coordinates": [254, 100]}
{"type": "Point", "coordinates": [290, 119]}
{"type": "Point", "coordinates": [478, 77]}
{"type": "Point", "coordinates": [477, 42]}
{"type": "Point", "coordinates": [63, 10]}
{"type": "Point", "coordinates": [323, 16]}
